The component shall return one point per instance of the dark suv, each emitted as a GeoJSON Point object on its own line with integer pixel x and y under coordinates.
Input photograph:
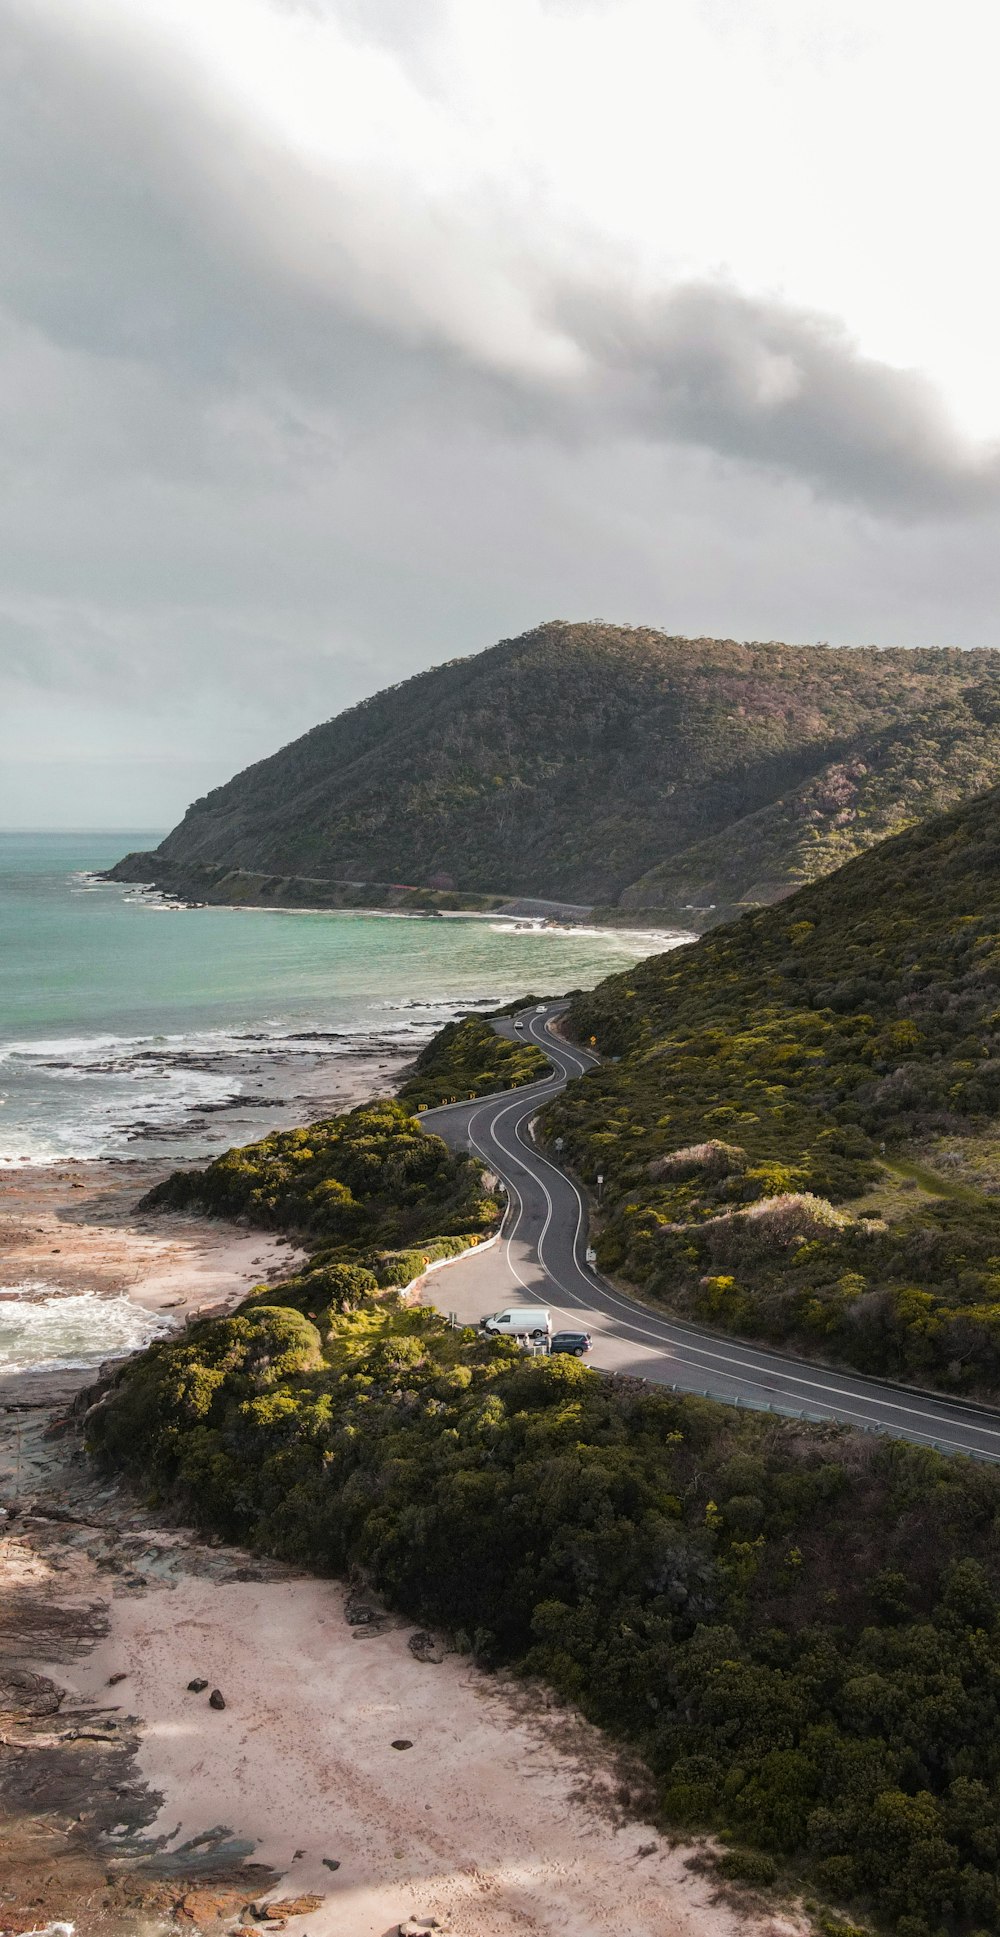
{"type": "Point", "coordinates": [576, 1342]}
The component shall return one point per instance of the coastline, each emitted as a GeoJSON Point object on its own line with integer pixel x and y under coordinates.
{"type": "Point", "coordinates": [217, 885]}
{"type": "Point", "coordinates": [73, 1238]}
{"type": "Point", "coordinates": [133, 1809]}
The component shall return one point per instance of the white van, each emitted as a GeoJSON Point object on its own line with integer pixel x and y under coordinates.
{"type": "Point", "coordinates": [521, 1321]}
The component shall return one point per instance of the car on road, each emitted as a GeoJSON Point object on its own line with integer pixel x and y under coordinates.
{"type": "Point", "coordinates": [520, 1321]}
{"type": "Point", "coordinates": [578, 1343]}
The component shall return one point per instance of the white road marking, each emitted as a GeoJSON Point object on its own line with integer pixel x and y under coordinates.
{"type": "Point", "coordinates": [669, 1338]}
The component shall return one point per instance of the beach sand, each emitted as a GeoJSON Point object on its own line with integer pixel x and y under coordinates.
{"type": "Point", "coordinates": [500, 1819]}
{"type": "Point", "coordinates": [76, 1228]}
{"type": "Point", "coordinates": [73, 1226]}
{"type": "Point", "coordinates": [504, 1816]}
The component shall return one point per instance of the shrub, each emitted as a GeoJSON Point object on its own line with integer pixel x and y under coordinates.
{"type": "Point", "coordinates": [370, 1177]}
{"type": "Point", "coordinates": [711, 1160]}
{"type": "Point", "coordinates": [469, 1059]}
{"type": "Point", "coordinates": [748, 1866]}
{"type": "Point", "coordinates": [776, 1223]}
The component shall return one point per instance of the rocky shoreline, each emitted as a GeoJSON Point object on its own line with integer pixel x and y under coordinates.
{"type": "Point", "coordinates": [216, 884]}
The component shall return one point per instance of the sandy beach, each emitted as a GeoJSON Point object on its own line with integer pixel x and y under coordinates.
{"type": "Point", "coordinates": [499, 1817]}
{"type": "Point", "coordinates": [76, 1228]}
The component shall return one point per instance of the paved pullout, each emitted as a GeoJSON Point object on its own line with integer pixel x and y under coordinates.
{"type": "Point", "coordinates": [542, 1260]}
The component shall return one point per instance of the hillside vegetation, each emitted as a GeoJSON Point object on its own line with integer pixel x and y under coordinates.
{"type": "Point", "coordinates": [797, 1627]}
{"type": "Point", "coordinates": [367, 1190]}
{"type": "Point", "coordinates": [466, 1059]}
{"type": "Point", "coordinates": [606, 765]}
{"type": "Point", "coordinates": [799, 1141]}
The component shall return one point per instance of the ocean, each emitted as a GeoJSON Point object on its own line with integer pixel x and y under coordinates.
{"type": "Point", "coordinates": [129, 1027]}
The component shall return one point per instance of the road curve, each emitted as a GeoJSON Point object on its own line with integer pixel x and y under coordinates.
{"type": "Point", "coordinates": [541, 1259]}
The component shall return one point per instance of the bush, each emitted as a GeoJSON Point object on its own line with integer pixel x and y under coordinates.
{"type": "Point", "coordinates": [711, 1159]}
{"type": "Point", "coordinates": [371, 1177]}
{"type": "Point", "coordinates": [469, 1059]}
{"type": "Point", "coordinates": [748, 1866]}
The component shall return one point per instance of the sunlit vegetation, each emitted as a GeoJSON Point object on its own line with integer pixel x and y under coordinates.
{"type": "Point", "coordinates": [767, 1135]}
{"type": "Point", "coordinates": [608, 764]}
{"type": "Point", "coordinates": [469, 1059]}
{"type": "Point", "coordinates": [798, 1628]}
{"type": "Point", "coordinates": [361, 1186]}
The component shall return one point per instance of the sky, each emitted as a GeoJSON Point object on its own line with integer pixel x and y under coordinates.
{"type": "Point", "coordinates": [343, 337]}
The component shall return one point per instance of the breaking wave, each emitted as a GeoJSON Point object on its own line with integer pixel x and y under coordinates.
{"type": "Point", "coordinates": [59, 1331]}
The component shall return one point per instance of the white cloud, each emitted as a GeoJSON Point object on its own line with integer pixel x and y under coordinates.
{"type": "Point", "coordinates": [343, 337]}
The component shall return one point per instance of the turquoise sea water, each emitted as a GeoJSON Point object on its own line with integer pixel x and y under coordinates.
{"type": "Point", "coordinates": [128, 1027]}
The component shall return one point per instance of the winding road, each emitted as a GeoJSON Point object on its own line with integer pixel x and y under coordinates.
{"type": "Point", "coordinates": [541, 1259]}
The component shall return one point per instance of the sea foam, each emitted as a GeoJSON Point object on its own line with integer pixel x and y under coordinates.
{"type": "Point", "coordinates": [60, 1331]}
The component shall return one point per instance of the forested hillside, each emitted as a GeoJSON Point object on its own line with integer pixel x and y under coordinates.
{"type": "Point", "coordinates": [799, 1141]}
{"type": "Point", "coordinates": [610, 765]}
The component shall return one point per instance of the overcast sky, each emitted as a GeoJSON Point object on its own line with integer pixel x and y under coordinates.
{"type": "Point", "coordinates": [341, 337]}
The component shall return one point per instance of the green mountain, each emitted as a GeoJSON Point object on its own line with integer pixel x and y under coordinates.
{"type": "Point", "coordinates": [608, 765]}
{"type": "Point", "coordinates": [800, 1138]}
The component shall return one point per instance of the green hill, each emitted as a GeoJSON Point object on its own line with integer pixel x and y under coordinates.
{"type": "Point", "coordinates": [800, 1139]}
{"type": "Point", "coordinates": [605, 765]}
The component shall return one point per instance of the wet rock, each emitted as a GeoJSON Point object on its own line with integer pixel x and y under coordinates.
{"type": "Point", "coordinates": [331, 1862]}
{"type": "Point", "coordinates": [25, 1924]}
{"type": "Point", "coordinates": [197, 1686]}
{"type": "Point", "coordinates": [203, 1908]}
{"type": "Point", "coordinates": [286, 1907]}
{"type": "Point", "coordinates": [25, 1694]}
{"type": "Point", "coordinates": [402, 1742]}
{"type": "Point", "coordinates": [358, 1614]}
{"type": "Point", "coordinates": [423, 1647]}
{"type": "Point", "coordinates": [216, 1699]}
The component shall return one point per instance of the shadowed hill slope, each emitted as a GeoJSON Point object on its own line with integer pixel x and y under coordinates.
{"type": "Point", "coordinates": [603, 764]}
{"type": "Point", "coordinates": [801, 1138]}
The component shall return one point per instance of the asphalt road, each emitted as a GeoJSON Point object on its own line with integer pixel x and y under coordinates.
{"type": "Point", "coordinates": [541, 1260]}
